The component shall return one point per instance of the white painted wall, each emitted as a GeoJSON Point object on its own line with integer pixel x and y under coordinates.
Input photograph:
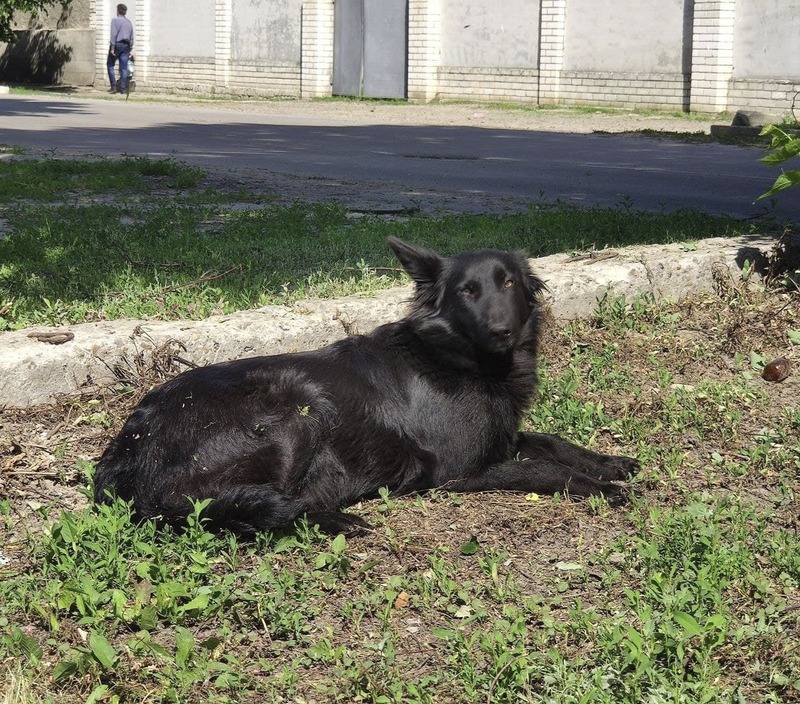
{"type": "Point", "coordinates": [625, 53]}
{"type": "Point", "coordinates": [182, 28]}
{"type": "Point", "coordinates": [111, 12]}
{"type": "Point", "coordinates": [266, 30]}
{"type": "Point", "coordinates": [627, 36]}
{"type": "Point", "coordinates": [767, 39]}
{"type": "Point", "coordinates": [490, 34]}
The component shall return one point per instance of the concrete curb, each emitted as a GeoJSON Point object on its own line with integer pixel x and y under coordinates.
{"type": "Point", "coordinates": [33, 372]}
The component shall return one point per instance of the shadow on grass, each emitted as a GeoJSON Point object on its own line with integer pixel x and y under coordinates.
{"type": "Point", "coordinates": [172, 258]}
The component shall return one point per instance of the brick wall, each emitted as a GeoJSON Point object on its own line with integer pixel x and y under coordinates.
{"type": "Point", "coordinates": [506, 85]}
{"type": "Point", "coordinates": [317, 49]}
{"type": "Point", "coordinates": [424, 49]}
{"type": "Point", "coordinates": [625, 90]}
{"type": "Point", "coordinates": [179, 73]}
{"type": "Point", "coordinates": [705, 83]}
{"type": "Point", "coordinates": [770, 95]}
{"type": "Point", "coordinates": [182, 74]}
{"type": "Point", "coordinates": [712, 54]}
{"type": "Point", "coordinates": [551, 50]}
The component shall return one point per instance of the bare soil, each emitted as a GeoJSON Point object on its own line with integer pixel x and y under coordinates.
{"type": "Point", "coordinates": [476, 114]}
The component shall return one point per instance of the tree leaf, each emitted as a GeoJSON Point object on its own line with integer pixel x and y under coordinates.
{"type": "Point", "coordinates": [97, 693]}
{"type": "Point", "coordinates": [30, 646]}
{"type": "Point", "coordinates": [784, 181]}
{"type": "Point", "coordinates": [148, 619]}
{"type": "Point", "coordinates": [463, 611]}
{"type": "Point", "coordinates": [339, 544]}
{"type": "Point", "coordinates": [199, 603]}
{"type": "Point", "coordinates": [64, 670]}
{"type": "Point", "coordinates": [569, 566]}
{"type": "Point", "coordinates": [444, 633]}
{"type": "Point", "coordinates": [184, 641]}
{"type": "Point", "coordinates": [784, 153]}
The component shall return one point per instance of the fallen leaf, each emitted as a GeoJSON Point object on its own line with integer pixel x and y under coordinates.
{"type": "Point", "coordinates": [401, 601]}
{"type": "Point", "coordinates": [569, 566]}
{"type": "Point", "coordinates": [470, 547]}
{"type": "Point", "coordinates": [464, 611]}
{"type": "Point", "coordinates": [532, 497]}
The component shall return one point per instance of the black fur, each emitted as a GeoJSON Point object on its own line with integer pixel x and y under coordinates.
{"type": "Point", "coordinates": [434, 400]}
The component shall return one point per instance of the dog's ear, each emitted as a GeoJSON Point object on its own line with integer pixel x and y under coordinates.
{"type": "Point", "coordinates": [533, 284]}
{"type": "Point", "coordinates": [422, 265]}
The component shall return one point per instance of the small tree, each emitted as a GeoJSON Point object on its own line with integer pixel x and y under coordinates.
{"type": "Point", "coordinates": [784, 146]}
{"type": "Point", "coordinates": [9, 7]}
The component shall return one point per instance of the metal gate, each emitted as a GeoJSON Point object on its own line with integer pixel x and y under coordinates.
{"type": "Point", "coordinates": [370, 48]}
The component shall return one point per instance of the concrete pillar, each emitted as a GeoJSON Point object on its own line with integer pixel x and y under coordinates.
{"type": "Point", "coordinates": [424, 49]}
{"type": "Point", "coordinates": [223, 28]}
{"type": "Point", "coordinates": [552, 29]}
{"type": "Point", "coordinates": [316, 62]}
{"type": "Point", "coordinates": [712, 54]}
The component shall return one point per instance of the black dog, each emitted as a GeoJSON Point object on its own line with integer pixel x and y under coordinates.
{"type": "Point", "coordinates": [434, 400]}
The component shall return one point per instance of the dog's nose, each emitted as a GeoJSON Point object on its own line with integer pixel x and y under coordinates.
{"type": "Point", "coordinates": [501, 332]}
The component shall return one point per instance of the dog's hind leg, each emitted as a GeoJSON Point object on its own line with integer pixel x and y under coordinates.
{"type": "Point", "coordinates": [541, 446]}
{"type": "Point", "coordinates": [247, 508]}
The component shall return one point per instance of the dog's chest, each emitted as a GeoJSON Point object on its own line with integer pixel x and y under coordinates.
{"type": "Point", "coordinates": [464, 425]}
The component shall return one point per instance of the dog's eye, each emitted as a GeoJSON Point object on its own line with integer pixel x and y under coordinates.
{"type": "Point", "coordinates": [467, 291]}
{"type": "Point", "coordinates": [510, 283]}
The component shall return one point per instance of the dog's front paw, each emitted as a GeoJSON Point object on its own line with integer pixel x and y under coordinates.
{"type": "Point", "coordinates": [619, 467]}
{"type": "Point", "coordinates": [336, 522]}
{"type": "Point", "coordinates": [616, 495]}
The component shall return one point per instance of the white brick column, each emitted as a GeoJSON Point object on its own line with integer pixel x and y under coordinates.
{"type": "Point", "coordinates": [424, 49]}
{"type": "Point", "coordinates": [316, 53]}
{"type": "Point", "coordinates": [101, 12]}
{"type": "Point", "coordinates": [553, 24]}
{"type": "Point", "coordinates": [712, 54]}
{"type": "Point", "coordinates": [141, 43]}
{"type": "Point", "coordinates": [223, 27]}
{"type": "Point", "coordinates": [100, 22]}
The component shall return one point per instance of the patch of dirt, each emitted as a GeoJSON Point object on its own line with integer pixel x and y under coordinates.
{"type": "Point", "coordinates": [476, 114]}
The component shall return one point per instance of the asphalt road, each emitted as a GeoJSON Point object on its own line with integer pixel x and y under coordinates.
{"type": "Point", "coordinates": [459, 168]}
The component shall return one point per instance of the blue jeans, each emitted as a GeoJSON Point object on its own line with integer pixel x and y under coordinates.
{"type": "Point", "coordinates": [122, 51]}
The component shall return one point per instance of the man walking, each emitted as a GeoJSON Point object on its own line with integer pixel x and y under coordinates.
{"type": "Point", "coordinates": [120, 48]}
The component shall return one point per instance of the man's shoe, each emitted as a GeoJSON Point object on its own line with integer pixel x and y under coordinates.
{"type": "Point", "coordinates": [112, 90]}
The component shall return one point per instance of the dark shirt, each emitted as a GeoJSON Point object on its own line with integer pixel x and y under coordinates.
{"type": "Point", "coordinates": [121, 30]}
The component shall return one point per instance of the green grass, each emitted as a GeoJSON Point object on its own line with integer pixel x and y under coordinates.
{"type": "Point", "coordinates": [88, 244]}
{"type": "Point", "coordinates": [42, 180]}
